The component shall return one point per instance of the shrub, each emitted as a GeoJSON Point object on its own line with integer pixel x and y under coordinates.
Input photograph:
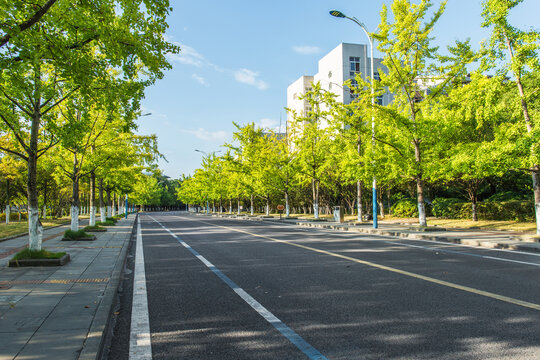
{"type": "Point", "coordinates": [14, 216]}
{"type": "Point", "coordinates": [76, 234]}
{"type": "Point", "coordinates": [508, 196]}
{"type": "Point", "coordinates": [493, 210]}
{"type": "Point", "coordinates": [112, 218]}
{"type": "Point", "coordinates": [442, 207]}
{"type": "Point", "coordinates": [405, 208]}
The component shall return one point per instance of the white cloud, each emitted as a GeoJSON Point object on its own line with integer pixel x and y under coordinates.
{"type": "Point", "coordinates": [187, 56]}
{"type": "Point", "coordinates": [190, 56]}
{"type": "Point", "coordinates": [306, 49]}
{"type": "Point", "coordinates": [267, 123]}
{"type": "Point", "coordinates": [200, 79]}
{"type": "Point", "coordinates": [206, 135]}
{"type": "Point", "coordinates": [250, 77]}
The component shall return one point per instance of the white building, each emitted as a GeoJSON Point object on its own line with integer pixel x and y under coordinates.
{"type": "Point", "coordinates": [336, 67]}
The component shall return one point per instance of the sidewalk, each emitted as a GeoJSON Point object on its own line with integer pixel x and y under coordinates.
{"type": "Point", "coordinates": [493, 239]}
{"type": "Point", "coordinates": [61, 312]}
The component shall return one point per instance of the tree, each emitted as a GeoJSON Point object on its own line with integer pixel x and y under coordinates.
{"type": "Point", "coordinates": [311, 140]}
{"type": "Point", "coordinates": [522, 52]}
{"type": "Point", "coordinates": [146, 191]}
{"type": "Point", "coordinates": [416, 77]}
{"type": "Point", "coordinates": [71, 52]}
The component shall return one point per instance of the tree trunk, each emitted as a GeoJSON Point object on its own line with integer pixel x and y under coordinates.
{"type": "Point", "coordinates": [35, 230]}
{"type": "Point", "coordinates": [8, 206]}
{"type": "Point", "coordinates": [44, 214]}
{"type": "Point", "coordinates": [287, 208]}
{"type": "Point", "coordinates": [113, 205]}
{"type": "Point", "coordinates": [420, 186]}
{"type": "Point", "coordinates": [315, 189]}
{"type": "Point", "coordinates": [359, 200]}
{"type": "Point", "coordinates": [92, 198]}
{"type": "Point", "coordinates": [75, 200]}
{"type": "Point", "coordinates": [536, 189]}
{"type": "Point", "coordinates": [267, 206]}
{"type": "Point", "coordinates": [102, 213]}
{"type": "Point", "coordinates": [252, 209]}
{"type": "Point", "coordinates": [380, 201]}
{"type": "Point", "coordinates": [109, 208]}
{"type": "Point", "coordinates": [238, 206]}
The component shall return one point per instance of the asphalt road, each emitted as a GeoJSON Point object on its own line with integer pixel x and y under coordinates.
{"type": "Point", "coordinates": [229, 289]}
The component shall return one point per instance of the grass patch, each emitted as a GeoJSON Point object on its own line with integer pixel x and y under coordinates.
{"type": "Point", "coordinates": [94, 227]}
{"type": "Point", "coordinates": [70, 234]}
{"type": "Point", "coordinates": [105, 223]}
{"type": "Point", "coordinates": [21, 228]}
{"type": "Point", "coordinates": [41, 254]}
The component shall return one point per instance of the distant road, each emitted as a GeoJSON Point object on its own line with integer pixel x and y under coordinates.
{"type": "Point", "coordinates": [229, 289]}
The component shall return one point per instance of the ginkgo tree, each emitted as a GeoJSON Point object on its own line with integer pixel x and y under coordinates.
{"type": "Point", "coordinates": [64, 51]}
{"type": "Point", "coordinates": [521, 50]}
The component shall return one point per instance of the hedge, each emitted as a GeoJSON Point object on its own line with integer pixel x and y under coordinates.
{"type": "Point", "coordinates": [408, 208]}
{"type": "Point", "coordinates": [514, 210]}
{"type": "Point", "coordinates": [13, 216]}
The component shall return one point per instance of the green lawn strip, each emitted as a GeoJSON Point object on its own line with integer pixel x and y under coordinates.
{"type": "Point", "coordinates": [76, 234]}
{"type": "Point", "coordinates": [21, 228]}
{"type": "Point", "coordinates": [105, 223]}
{"type": "Point", "coordinates": [95, 227]}
{"type": "Point", "coordinates": [41, 254]}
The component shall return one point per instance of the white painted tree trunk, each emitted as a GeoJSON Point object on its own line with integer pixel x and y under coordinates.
{"type": "Point", "coordinates": [92, 216]}
{"type": "Point", "coordinates": [267, 210]}
{"type": "Point", "coordinates": [537, 207]}
{"type": "Point", "coordinates": [44, 211]}
{"type": "Point", "coordinates": [8, 209]}
{"type": "Point", "coordinates": [113, 210]}
{"type": "Point", "coordinates": [103, 215]}
{"type": "Point", "coordinates": [74, 218]}
{"type": "Point", "coordinates": [109, 211]}
{"type": "Point", "coordinates": [422, 214]}
{"type": "Point", "coordinates": [316, 210]}
{"type": "Point", "coordinates": [35, 230]}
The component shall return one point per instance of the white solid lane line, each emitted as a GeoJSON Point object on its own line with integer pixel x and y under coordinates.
{"type": "Point", "coordinates": [140, 347]}
{"type": "Point", "coordinates": [287, 332]}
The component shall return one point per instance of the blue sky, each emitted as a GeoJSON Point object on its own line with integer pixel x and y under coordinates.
{"type": "Point", "coordinates": [238, 57]}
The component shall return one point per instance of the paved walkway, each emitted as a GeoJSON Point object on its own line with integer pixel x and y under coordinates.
{"type": "Point", "coordinates": [472, 237]}
{"type": "Point", "coordinates": [61, 312]}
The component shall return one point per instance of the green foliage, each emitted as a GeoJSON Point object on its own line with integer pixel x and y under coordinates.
{"type": "Point", "coordinates": [14, 216]}
{"type": "Point", "coordinates": [405, 208]}
{"type": "Point", "coordinates": [508, 196]}
{"type": "Point", "coordinates": [105, 223]}
{"type": "Point", "coordinates": [441, 207]}
{"type": "Point", "coordinates": [37, 254]}
{"type": "Point", "coordinates": [95, 227]}
{"type": "Point", "coordinates": [76, 234]}
{"type": "Point", "coordinates": [114, 219]}
{"type": "Point", "coordinates": [514, 210]}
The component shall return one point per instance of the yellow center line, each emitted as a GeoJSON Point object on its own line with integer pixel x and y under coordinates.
{"type": "Point", "coordinates": [394, 270]}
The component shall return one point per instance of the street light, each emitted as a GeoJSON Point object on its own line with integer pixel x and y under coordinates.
{"type": "Point", "coordinates": [339, 14]}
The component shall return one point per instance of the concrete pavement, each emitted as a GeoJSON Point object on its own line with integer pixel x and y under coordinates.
{"type": "Point", "coordinates": [61, 312]}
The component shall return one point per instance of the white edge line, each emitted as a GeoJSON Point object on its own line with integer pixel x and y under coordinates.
{"type": "Point", "coordinates": [140, 347]}
{"type": "Point", "coordinates": [288, 333]}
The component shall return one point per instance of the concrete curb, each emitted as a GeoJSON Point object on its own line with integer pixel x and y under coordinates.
{"type": "Point", "coordinates": [526, 243]}
{"type": "Point", "coordinates": [527, 246]}
{"type": "Point", "coordinates": [102, 324]}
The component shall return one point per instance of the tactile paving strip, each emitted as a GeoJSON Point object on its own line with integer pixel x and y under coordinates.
{"type": "Point", "coordinates": [59, 281]}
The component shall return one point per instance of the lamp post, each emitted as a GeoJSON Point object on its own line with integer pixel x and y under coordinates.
{"type": "Point", "coordinates": [339, 14]}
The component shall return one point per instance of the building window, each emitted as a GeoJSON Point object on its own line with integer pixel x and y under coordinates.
{"type": "Point", "coordinates": [379, 100]}
{"type": "Point", "coordinates": [376, 76]}
{"type": "Point", "coordinates": [354, 64]}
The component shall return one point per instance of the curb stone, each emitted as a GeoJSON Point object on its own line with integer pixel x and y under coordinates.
{"type": "Point", "coordinates": [94, 343]}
